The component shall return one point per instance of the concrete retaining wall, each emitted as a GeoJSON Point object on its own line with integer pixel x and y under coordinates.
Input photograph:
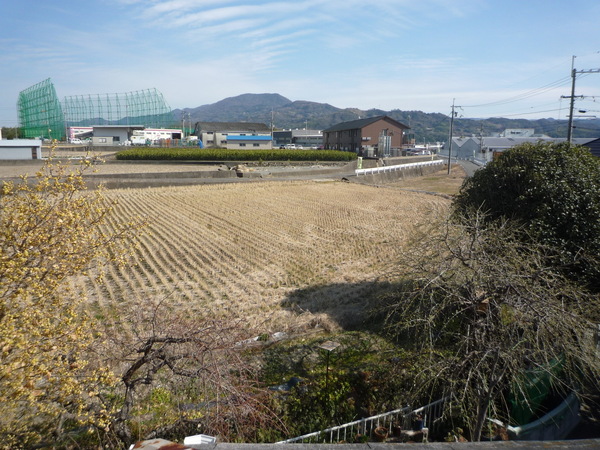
{"type": "Point", "coordinates": [159, 179]}
{"type": "Point", "coordinates": [383, 177]}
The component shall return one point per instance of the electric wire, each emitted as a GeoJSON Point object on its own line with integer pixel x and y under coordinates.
{"type": "Point", "coordinates": [531, 93]}
{"type": "Point", "coordinates": [527, 113]}
{"type": "Point", "coordinates": [537, 91]}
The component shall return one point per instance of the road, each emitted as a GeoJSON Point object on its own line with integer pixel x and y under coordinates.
{"type": "Point", "coordinates": [469, 167]}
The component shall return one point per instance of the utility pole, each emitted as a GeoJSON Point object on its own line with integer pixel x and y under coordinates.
{"type": "Point", "coordinates": [66, 128]}
{"type": "Point", "coordinates": [183, 123]}
{"type": "Point", "coordinates": [480, 140]}
{"type": "Point", "coordinates": [450, 139]}
{"type": "Point", "coordinates": [574, 73]}
{"type": "Point", "coordinates": [572, 103]}
{"type": "Point", "coordinates": [272, 126]}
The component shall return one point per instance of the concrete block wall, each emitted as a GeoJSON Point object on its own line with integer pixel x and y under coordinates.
{"type": "Point", "coordinates": [394, 176]}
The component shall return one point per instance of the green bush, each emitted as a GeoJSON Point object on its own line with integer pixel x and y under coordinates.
{"type": "Point", "coordinates": [209, 154]}
{"type": "Point", "coordinates": [553, 192]}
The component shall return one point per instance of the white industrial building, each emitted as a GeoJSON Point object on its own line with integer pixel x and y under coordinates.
{"type": "Point", "coordinates": [123, 134]}
{"type": "Point", "coordinates": [20, 149]}
{"type": "Point", "coordinates": [234, 135]}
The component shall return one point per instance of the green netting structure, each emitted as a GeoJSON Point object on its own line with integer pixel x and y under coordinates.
{"type": "Point", "coordinates": [147, 108]}
{"type": "Point", "coordinates": [40, 112]}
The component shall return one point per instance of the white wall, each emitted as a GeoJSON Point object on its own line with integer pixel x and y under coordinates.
{"type": "Point", "coordinates": [108, 132]}
{"type": "Point", "coordinates": [20, 149]}
{"type": "Point", "coordinates": [102, 140]}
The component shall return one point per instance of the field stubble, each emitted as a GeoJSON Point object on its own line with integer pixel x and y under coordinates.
{"type": "Point", "coordinates": [284, 255]}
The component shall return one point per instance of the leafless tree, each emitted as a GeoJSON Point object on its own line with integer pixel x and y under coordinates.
{"type": "Point", "coordinates": [197, 367]}
{"type": "Point", "coordinates": [485, 309]}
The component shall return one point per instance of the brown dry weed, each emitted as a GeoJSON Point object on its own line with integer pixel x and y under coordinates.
{"type": "Point", "coordinates": [439, 182]}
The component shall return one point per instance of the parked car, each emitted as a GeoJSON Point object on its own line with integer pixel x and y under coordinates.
{"type": "Point", "coordinates": [416, 152]}
{"type": "Point", "coordinates": [75, 141]}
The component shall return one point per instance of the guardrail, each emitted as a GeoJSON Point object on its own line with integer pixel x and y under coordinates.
{"type": "Point", "coordinates": [430, 414]}
{"type": "Point", "coordinates": [395, 168]}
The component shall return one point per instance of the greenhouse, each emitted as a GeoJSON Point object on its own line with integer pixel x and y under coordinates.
{"type": "Point", "coordinates": [41, 114]}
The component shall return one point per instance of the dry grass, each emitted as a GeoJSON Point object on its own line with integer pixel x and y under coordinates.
{"type": "Point", "coordinates": [439, 182]}
{"type": "Point", "coordinates": [288, 255]}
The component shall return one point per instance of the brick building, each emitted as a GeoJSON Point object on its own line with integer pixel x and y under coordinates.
{"type": "Point", "coordinates": [375, 136]}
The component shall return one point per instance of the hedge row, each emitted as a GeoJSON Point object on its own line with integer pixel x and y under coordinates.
{"type": "Point", "coordinates": [208, 154]}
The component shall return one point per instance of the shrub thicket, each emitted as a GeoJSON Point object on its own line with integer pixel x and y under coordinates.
{"type": "Point", "coordinates": [209, 154]}
{"type": "Point", "coordinates": [494, 322]}
{"type": "Point", "coordinates": [499, 296]}
{"type": "Point", "coordinates": [553, 192]}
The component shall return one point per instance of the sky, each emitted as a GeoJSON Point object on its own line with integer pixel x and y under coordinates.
{"type": "Point", "coordinates": [491, 58]}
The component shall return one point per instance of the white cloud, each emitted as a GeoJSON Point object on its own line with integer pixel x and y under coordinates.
{"type": "Point", "coordinates": [407, 54]}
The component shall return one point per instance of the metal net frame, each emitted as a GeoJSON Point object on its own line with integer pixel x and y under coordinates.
{"type": "Point", "coordinates": [146, 108]}
{"type": "Point", "coordinates": [40, 112]}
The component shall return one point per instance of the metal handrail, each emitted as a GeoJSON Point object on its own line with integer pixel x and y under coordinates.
{"type": "Point", "coordinates": [430, 413]}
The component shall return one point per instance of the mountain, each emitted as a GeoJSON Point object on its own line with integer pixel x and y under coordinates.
{"type": "Point", "coordinates": [425, 127]}
{"type": "Point", "coordinates": [243, 108]}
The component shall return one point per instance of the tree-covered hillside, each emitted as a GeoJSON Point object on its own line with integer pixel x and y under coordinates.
{"type": "Point", "coordinates": [426, 127]}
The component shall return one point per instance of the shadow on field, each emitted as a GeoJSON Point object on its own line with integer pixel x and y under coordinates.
{"type": "Point", "coordinates": [351, 306]}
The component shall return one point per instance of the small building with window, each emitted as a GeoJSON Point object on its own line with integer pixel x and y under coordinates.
{"type": "Point", "coordinates": [234, 135]}
{"type": "Point", "coordinates": [108, 135]}
{"type": "Point", "coordinates": [11, 149]}
{"type": "Point", "coordinates": [300, 138]}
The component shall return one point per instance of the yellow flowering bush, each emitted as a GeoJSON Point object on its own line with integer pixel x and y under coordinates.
{"type": "Point", "coordinates": [51, 228]}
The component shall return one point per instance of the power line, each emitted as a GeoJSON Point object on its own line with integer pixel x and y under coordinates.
{"type": "Point", "coordinates": [545, 88]}
{"type": "Point", "coordinates": [537, 91]}
{"type": "Point", "coordinates": [533, 92]}
{"type": "Point", "coordinates": [530, 112]}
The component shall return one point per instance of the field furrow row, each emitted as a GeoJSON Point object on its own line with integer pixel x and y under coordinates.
{"type": "Point", "coordinates": [287, 253]}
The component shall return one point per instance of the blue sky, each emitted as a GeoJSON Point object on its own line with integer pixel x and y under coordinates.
{"type": "Point", "coordinates": [508, 58]}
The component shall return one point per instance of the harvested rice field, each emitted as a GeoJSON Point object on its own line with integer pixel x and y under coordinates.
{"type": "Point", "coordinates": [286, 256]}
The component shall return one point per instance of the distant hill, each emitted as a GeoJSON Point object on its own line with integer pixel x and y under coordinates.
{"type": "Point", "coordinates": [243, 108]}
{"type": "Point", "coordinates": [425, 127]}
